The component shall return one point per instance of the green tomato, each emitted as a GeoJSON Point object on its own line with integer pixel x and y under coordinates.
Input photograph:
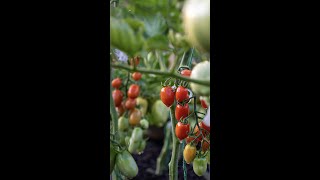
{"type": "Point", "coordinates": [201, 72]}
{"type": "Point", "coordinates": [142, 146]}
{"type": "Point", "coordinates": [126, 164]}
{"type": "Point", "coordinates": [127, 140]}
{"type": "Point", "coordinates": [143, 103]}
{"type": "Point", "coordinates": [208, 157]}
{"type": "Point", "coordinates": [199, 165]}
{"type": "Point", "coordinates": [144, 124]}
{"type": "Point", "coordinates": [196, 19]}
{"type": "Point", "coordinates": [113, 155]}
{"type": "Point", "coordinates": [135, 140]}
{"type": "Point", "coordinates": [122, 136]}
{"type": "Point", "coordinates": [160, 113]}
{"type": "Point", "coordinates": [123, 123]}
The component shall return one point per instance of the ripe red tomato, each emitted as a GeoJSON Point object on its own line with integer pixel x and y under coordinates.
{"type": "Point", "coordinates": [117, 96]}
{"type": "Point", "coordinates": [133, 91]}
{"type": "Point", "coordinates": [167, 96]}
{"type": "Point", "coordinates": [181, 94]}
{"type": "Point", "coordinates": [116, 83]}
{"type": "Point", "coordinates": [181, 111]}
{"type": "Point", "coordinates": [136, 76]}
{"type": "Point", "coordinates": [205, 145]}
{"type": "Point", "coordinates": [203, 104]}
{"type": "Point", "coordinates": [207, 129]}
{"type": "Point", "coordinates": [130, 103]}
{"type": "Point", "coordinates": [186, 72]}
{"type": "Point", "coordinates": [182, 130]}
{"type": "Point", "coordinates": [189, 139]}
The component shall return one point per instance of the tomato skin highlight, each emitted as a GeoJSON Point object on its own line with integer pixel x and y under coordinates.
{"type": "Point", "coordinates": [181, 111]}
{"type": "Point", "coordinates": [130, 103]}
{"type": "Point", "coordinates": [117, 96]}
{"type": "Point", "coordinates": [127, 165]}
{"type": "Point", "coordinates": [136, 76]}
{"type": "Point", "coordinates": [181, 94]}
{"type": "Point", "coordinates": [182, 130]}
{"type": "Point", "coordinates": [133, 91]}
{"type": "Point", "coordinates": [186, 72]}
{"type": "Point", "coordinates": [167, 96]}
{"type": "Point", "coordinates": [116, 83]}
{"type": "Point", "coordinates": [135, 117]}
{"type": "Point", "coordinates": [189, 153]}
{"type": "Point", "coordinates": [199, 165]}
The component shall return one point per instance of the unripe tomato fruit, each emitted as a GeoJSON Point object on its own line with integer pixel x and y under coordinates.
{"type": "Point", "coordinates": [200, 165]}
{"type": "Point", "coordinates": [189, 153]}
{"type": "Point", "coordinates": [117, 96]}
{"type": "Point", "coordinates": [116, 83]}
{"type": "Point", "coordinates": [135, 117]}
{"type": "Point", "coordinates": [123, 123]}
{"type": "Point", "coordinates": [181, 94]}
{"type": "Point", "coordinates": [186, 72]}
{"type": "Point", "coordinates": [133, 91]}
{"type": "Point", "coordinates": [181, 112]}
{"type": "Point", "coordinates": [136, 76]}
{"type": "Point", "coordinates": [201, 71]}
{"type": "Point", "coordinates": [130, 103]}
{"type": "Point", "coordinates": [126, 164]}
{"type": "Point", "coordinates": [167, 95]}
{"type": "Point", "coordinates": [182, 130]}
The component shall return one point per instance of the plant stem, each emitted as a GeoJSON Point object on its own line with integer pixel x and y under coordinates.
{"type": "Point", "coordinates": [113, 111]}
{"type": "Point", "coordinates": [162, 160]}
{"type": "Point", "coordinates": [173, 164]}
{"type": "Point", "coordinates": [162, 73]}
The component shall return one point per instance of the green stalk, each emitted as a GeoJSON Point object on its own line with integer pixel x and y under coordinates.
{"type": "Point", "coordinates": [161, 160]}
{"type": "Point", "coordinates": [173, 164]}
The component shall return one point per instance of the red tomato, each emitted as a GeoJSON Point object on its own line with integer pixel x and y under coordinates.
{"type": "Point", "coordinates": [120, 110]}
{"type": "Point", "coordinates": [182, 130]}
{"type": "Point", "coordinates": [133, 91]}
{"type": "Point", "coordinates": [167, 96]}
{"type": "Point", "coordinates": [205, 145]}
{"type": "Point", "coordinates": [186, 72]}
{"type": "Point", "coordinates": [203, 104]}
{"type": "Point", "coordinates": [207, 129]}
{"type": "Point", "coordinates": [181, 111]}
{"type": "Point", "coordinates": [117, 96]}
{"type": "Point", "coordinates": [116, 83]}
{"type": "Point", "coordinates": [197, 133]}
{"type": "Point", "coordinates": [181, 94]}
{"type": "Point", "coordinates": [136, 76]}
{"type": "Point", "coordinates": [189, 139]}
{"type": "Point", "coordinates": [135, 60]}
{"type": "Point", "coordinates": [130, 103]}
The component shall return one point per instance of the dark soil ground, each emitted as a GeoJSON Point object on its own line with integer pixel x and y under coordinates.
{"type": "Point", "coordinates": [147, 164]}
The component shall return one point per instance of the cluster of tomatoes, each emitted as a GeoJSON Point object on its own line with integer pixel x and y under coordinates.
{"type": "Point", "coordinates": [199, 157]}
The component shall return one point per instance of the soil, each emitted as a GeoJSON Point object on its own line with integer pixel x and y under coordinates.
{"type": "Point", "coordinates": [147, 164]}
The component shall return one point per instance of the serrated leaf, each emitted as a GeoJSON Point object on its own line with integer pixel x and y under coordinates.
{"type": "Point", "coordinates": [155, 25]}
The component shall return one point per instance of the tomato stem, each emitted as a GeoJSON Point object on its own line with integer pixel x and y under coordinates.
{"type": "Point", "coordinates": [173, 164]}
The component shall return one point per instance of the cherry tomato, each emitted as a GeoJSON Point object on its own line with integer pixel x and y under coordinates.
{"type": "Point", "coordinates": [186, 72]}
{"type": "Point", "coordinates": [123, 123]}
{"type": "Point", "coordinates": [167, 96]}
{"type": "Point", "coordinates": [144, 124]}
{"type": "Point", "coordinates": [133, 91]}
{"type": "Point", "coordinates": [116, 83]}
{"type": "Point", "coordinates": [126, 164]}
{"type": "Point", "coordinates": [200, 165]}
{"type": "Point", "coordinates": [206, 129]}
{"type": "Point", "coordinates": [135, 117]}
{"type": "Point", "coordinates": [181, 94]}
{"type": "Point", "coordinates": [203, 104]}
{"type": "Point", "coordinates": [181, 112]}
{"type": "Point", "coordinates": [182, 130]}
{"type": "Point", "coordinates": [117, 97]}
{"type": "Point", "coordinates": [205, 145]}
{"type": "Point", "coordinates": [120, 110]}
{"type": "Point", "coordinates": [135, 60]}
{"type": "Point", "coordinates": [189, 139]}
{"type": "Point", "coordinates": [189, 153]}
{"type": "Point", "coordinates": [136, 76]}
{"type": "Point", "coordinates": [130, 103]}
{"type": "Point", "coordinates": [197, 133]}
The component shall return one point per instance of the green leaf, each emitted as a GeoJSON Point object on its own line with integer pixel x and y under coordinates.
{"type": "Point", "coordinates": [159, 42]}
{"type": "Point", "coordinates": [155, 25]}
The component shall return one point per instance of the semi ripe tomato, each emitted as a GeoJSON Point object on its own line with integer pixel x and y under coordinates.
{"type": "Point", "coordinates": [181, 112]}
{"type": "Point", "coordinates": [113, 154]}
{"type": "Point", "coordinates": [135, 60]}
{"type": "Point", "coordinates": [133, 91]}
{"type": "Point", "coordinates": [205, 145]}
{"type": "Point", "coordinates": [117, 96]}
{"type": "Point", "coordinates": [116, 83]}
{"type": "Point", "coordinates": [182, 130]}
{"type": "Point", "coordinates": [167, 96]}
{"type": "Point", "coordinates": [136, 76]}
{"type": "Point", "coordinates": [200, 165]}
{"type": "Point", "coordinates": [120, 109]}
{"type": "Point", "coordinates": [130, 103]}
{"type": "Point", "coordinates": [186, 72]}
{"type": "Point", "coordinates": [135, 117]}
{"type": "Point", "coordinates": [181, 94]}
{"type": "Point", "coordinates": [126, 164]}
{"type": "Point", "coordinates": [189, 153]}
{"type": "Point", "coordinates": [123, 123]}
